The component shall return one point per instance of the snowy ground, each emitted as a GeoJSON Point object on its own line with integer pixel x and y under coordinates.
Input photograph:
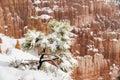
{"type": "Point", "coordinates": [10, 54]}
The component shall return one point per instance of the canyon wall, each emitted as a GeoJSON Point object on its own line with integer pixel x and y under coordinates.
{"type": "Point", "coordinates": [95, 22]}
{"type": "Point", "coordinates": [16, 16]}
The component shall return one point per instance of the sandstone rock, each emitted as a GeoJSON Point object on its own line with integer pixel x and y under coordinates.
{"type": "Point", "coordinates": [1, 40]}
{"type": "Point", "coordinates": [90, 68]}
{"type": "Point", "coordinates": [17, 45]}
{"type": "Point", "coordinates": [97, 28]}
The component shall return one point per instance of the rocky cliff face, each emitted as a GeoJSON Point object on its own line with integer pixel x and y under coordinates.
{"type": "Point", "coordinates": [97, 26]}
{"type": "Point", "coordinates": [92, 68]}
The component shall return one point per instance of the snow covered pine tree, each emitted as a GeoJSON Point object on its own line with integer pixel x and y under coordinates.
{"type": "Point", "coordinates": [57, 42]}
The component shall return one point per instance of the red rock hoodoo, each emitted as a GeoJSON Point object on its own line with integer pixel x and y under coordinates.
{"type": "Point", "coordinates": [97, 45]}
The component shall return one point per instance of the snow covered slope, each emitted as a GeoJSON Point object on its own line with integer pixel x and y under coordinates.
{"type": "Point", "coordinates": [10, 54]}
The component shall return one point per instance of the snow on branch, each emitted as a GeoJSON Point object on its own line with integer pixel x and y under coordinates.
{"type": "Point", "coordinates": [57, 42]}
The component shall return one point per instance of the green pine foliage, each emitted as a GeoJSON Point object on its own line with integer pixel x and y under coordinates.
{"type": "Point", "coordinates": [58, 42]}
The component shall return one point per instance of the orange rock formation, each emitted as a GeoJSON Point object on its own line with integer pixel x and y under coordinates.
{"type": "Point", "coordinates": [97, 28]}
{"type": "Point", "coordinates": [17, 45]}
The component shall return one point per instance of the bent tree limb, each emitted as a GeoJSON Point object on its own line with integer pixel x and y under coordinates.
{"type": "Point", "coordinates": [43, 59]}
